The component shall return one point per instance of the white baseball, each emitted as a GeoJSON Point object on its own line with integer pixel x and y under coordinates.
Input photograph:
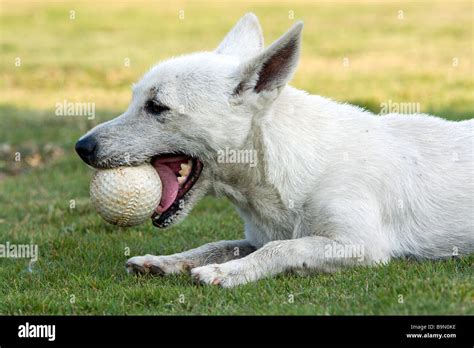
{"type": "Point", "coordinates": [126, 196]}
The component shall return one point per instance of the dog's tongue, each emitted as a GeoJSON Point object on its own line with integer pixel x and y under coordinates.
{"type": "Point", "coordinates": [170, 187]}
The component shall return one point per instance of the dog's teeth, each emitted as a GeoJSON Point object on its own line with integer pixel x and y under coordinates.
{"type": "Point", "coordinates": [181, 179]}
{"type": "Point", "coordinates": [185, 169]}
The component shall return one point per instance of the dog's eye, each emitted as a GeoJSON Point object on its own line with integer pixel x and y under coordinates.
{"type": "Point", "coordinates": [155, 108]}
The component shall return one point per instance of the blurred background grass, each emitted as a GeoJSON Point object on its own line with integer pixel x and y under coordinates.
{"type": "Point", "coordinates": [391, 47]}
{"type": "Point", "coordinates": [403, 51]}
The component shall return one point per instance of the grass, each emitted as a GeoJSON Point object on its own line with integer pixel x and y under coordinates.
{"type": "Point", "coordinates": [81, 265]}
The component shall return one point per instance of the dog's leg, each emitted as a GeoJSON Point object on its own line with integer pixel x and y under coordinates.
{"type": "Point", "coordinates": [309, 253]}
{"type": "Point", "coordinates": [217, 252]}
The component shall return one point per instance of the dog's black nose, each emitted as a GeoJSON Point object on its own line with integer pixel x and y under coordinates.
{"type": "Point", "coordinates": [86, 148]}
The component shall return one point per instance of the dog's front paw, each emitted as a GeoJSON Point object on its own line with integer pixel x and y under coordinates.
{"type": "Point", "coordinates": [226, 275]}
{"type": "Point", "coordinates": [157, 265]}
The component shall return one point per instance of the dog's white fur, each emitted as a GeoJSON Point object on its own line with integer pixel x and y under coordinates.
{"type": "Point", "coordinates": [329, 174]}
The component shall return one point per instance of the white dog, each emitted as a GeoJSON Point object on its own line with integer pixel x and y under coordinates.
{"type": "Point", "coordinates": [331, 185]}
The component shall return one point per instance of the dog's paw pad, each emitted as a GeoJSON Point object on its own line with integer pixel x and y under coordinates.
{"type": "Point", "coordinates": [210, 274]}
{"type": "Point", "coordinates": [156, 265]}
{"type": "Point", "coordinates": [140, 265]}
{"type": "Point", "coordinates": [156, 270]}
{"type": "Point", "coordinates": [133, 268]}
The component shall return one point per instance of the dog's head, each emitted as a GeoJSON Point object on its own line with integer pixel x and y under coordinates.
{"type": "Point", "coordinates": [187, 109]}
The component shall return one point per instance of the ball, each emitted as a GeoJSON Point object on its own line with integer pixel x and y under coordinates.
{"type": "Point", "coordinates": [126, 196]}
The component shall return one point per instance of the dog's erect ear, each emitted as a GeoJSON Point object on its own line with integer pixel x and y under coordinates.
{"type": "Point", "coordinates": [274, 67]}
{"type": "Point", "coordinates": [244, 40]}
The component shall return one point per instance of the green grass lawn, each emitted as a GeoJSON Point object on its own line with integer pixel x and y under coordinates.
{"type": "Point", "coordinates": [425, 57]}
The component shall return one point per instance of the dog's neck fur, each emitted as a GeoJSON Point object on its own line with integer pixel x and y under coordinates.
{"type": "Point", "coordinates": [270, 184]}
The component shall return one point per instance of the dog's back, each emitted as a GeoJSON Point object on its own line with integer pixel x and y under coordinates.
{"type": "Point", "coordinates": [435, 164]}
{"type": "Point", "coordinates": [413, 173]}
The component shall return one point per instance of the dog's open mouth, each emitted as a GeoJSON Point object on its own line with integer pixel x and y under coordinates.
{"type": "Point", "coordinates": [178, 174]}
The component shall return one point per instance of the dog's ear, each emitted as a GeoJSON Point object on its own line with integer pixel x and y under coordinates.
{"type": "Point", "coordinates": [244, 40]}
{"type": "Point", "coordinates": [271, 70]}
